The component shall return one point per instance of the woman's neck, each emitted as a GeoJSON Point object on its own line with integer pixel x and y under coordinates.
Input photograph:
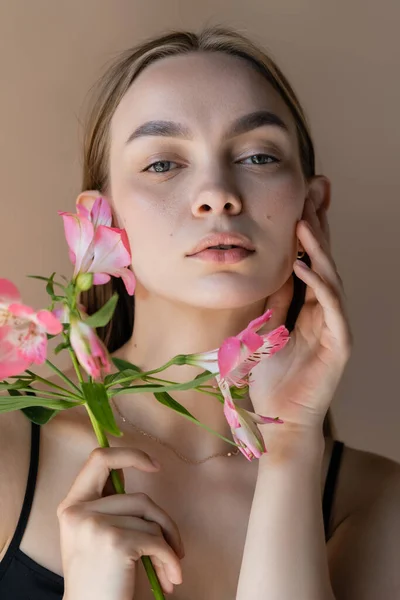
{"type": "Point", "coordinates": [162, 330]}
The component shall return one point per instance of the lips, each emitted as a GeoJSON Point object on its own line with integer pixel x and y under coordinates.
{"type": "Point", "coordinates": [223, 239]}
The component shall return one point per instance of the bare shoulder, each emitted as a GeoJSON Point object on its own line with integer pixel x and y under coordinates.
{"type": "Point", "coordinates": [15, 443]}
{"type": "Point", "coordinates": [14, 465]}
{"type": "Point", "coordinates": [362, 478]}
{"type": "Point", "coordinates": [364, 547]}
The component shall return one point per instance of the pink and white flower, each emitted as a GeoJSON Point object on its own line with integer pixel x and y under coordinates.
{"type": "Point", "coordinates": [89, 349]}
{"type": "Point", "coordinates": [23, 332]}
{"type": "Point", "coordinates": [96, 247]}
{"type": "Point", "coordinates": [232, 363]}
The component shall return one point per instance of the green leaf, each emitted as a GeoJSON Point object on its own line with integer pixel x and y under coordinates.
{"type": "Point", "coordinates": [97, 400]}
{"type": "Point", "coordinates": [104, 314]}
{"type": "Point", "coordinates": [50, 285]}
{"type": "Point", "coordinates": [70, 292]}
{"type": "Point", "coordinates": [188, 385]}
{"type": "Point", "coordinates": [20, 383]}
{"type": "Point", "coordinates": [167, 400]}
{"type": "Point", "coordinates": [47, 279]}
{"type": "Point", "coordinates": [39, 414]}
{"type": "Point", "coordinates": [19, 401]}
{"type": "Point", "coordinates": [123, 378]}
{"type": "Point", "coordinates": [239, 393]}
{"type": "Point", "coordinates": [62, 346]}
{"type": "Point", "coordinates": [204, 373]}
{"type": "Point", "coordinates": [122, 364]}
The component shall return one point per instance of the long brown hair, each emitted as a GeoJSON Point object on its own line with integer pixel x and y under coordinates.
{"type": "Point", "coordinates": [107, 94]}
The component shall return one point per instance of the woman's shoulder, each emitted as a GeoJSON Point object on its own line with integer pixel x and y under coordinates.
{"type": "Point", "coordinates": [362, 477]}
{"type": "Point", "coordinates": [14, 465]}
{"type": "Point", "coordinates": [15, 455]}
{"type": "Point", "coordinates": [364, 546]}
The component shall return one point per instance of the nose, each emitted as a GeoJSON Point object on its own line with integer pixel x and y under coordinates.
{"type": "Point", "coordinates": [218, 201]}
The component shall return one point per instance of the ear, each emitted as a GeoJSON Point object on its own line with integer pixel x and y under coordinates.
{"type": "Point", "coordinates": [87, 198]}
{"type": "Point", "coordinates": [319, 191]}
{"type": "Point", "coordinates": [320, 194]}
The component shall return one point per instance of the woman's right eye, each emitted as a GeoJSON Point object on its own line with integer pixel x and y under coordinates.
{"type": "Point", "coordinates": [159, 162]}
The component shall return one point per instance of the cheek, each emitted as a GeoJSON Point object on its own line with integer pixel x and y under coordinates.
{"type": "Point", "coordinates": [149, 229]}
{"type": "Point", "coordinates": [281, 199]}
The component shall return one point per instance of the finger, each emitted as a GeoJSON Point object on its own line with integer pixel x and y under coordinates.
{"type": "Point", "coordinates": [321, 261]}
{"type": "Point", "coordinates": [330, 303]}
{"type": "Point", "coordinates": [141, 505]}
{"type": "Point", "coordinates": [92, 478]}
{"type": "Point", "coordinates": [150, 545]}
{"type": "Point", "coordinates": [141, 528]}
{"type": "Point", "coordinates": [166, 584]}
{"type": "Point", "coordinates": [319, 222]}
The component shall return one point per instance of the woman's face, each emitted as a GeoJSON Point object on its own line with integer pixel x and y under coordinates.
{"type": "Point", "coordinates": [209, 180]}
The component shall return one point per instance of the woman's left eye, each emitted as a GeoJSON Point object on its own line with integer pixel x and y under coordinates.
{"type": "Point", "coordinates": [262, 156]}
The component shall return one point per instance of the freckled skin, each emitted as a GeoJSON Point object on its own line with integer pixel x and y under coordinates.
{"type": "Point", "coordinates": [164, 212]}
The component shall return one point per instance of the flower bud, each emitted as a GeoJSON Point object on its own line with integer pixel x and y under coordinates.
{"type": "Point", "coordinates": [84, 281]}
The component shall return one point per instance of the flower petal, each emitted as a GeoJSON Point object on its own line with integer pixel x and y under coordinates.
{"type": "Point", "coordinates": [79, 233]}
{"type": "Point", "coordinates": [8, 292]}
{"type": "Point", "coordinates": [21, 310]}
{"type": "Point", "coordinates": [101, 278]}
{"type": "Point", "coordinates": [229, 355]}
{"type": "Point", "coordinates": [97, 210]}
{"type": "Point", "coordinates": [260, 419]}
{"type": "Point", "coordinates": [49, 322]}
{"type": "Point", "coordinates": [89, 349]}
{"type": "Point", "coordinates": [110, 251]}
{"type": "Point", "coordinates": [257, 323]}
{"type": "Point", "coordinates": [10, 362]}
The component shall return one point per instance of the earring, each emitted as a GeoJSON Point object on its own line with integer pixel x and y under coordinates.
{"type": "Point", "coordinates": [301, 255]}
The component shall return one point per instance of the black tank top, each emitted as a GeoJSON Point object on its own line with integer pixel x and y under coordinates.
{"type": "Point", "coordinates": [21, 578]}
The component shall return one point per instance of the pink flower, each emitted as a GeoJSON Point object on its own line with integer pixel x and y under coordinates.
{"type": "Point", "coordinates": [23, 338]}
{"type": "Point", "coordinates": [89, 349]}
{"type": "Point", "coordinates": [232, 363]}
{"type": "Point", "coordinates": [243, 425]}
{"type": "Point", "coordinates": [96, 247]}
{"type": "Point", "coordinates": [239, 354]}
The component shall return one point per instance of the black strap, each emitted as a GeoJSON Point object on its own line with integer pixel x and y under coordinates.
{"type": "Point", "coordinates": [330, 485]}
{"type": "Point", "coordinates": [30, 489]}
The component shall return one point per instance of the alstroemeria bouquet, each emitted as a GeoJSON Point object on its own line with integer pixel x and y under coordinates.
{"type": "Point", "coordinates": [99, 251]}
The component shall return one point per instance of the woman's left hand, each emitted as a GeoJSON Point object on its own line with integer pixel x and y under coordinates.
{"type": "Point", "coordinates": [297, 383]}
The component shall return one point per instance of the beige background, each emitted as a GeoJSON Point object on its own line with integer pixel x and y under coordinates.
{"type": "Point", "coordinates": [342, 58]}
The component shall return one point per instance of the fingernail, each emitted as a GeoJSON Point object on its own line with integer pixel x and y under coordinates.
{"type": "Point", "coordinates": [301, 264]}
{"type": "Point", "coordinates": [173, 575]}
{"type": "Point", "coordinates": [155, 462]}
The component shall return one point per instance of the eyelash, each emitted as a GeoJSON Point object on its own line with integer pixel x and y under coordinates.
{"type": "Point", "coordinates": [275, 160]}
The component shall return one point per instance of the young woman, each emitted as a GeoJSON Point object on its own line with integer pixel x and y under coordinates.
{"type": "Point", "coordinates": [230, 153]}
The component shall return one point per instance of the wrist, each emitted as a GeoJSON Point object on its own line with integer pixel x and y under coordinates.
{"type": "Point", "coordinates": [292, 445]}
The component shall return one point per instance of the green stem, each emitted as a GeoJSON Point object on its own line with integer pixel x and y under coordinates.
{"type": "Point", "coordinates": [119, 488]}
{"type": "Point", "coordinates": [202, 388]}
{"type": "Point", "coordinates": [76, 365]}
{"type": "Point", "coordinates": [55, 386]}
{"type": "Point", "coordinates": [44, 393]}
{"type": "Point", "coordinates": [63, 376]}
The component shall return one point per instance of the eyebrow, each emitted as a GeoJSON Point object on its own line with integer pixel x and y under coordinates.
{"type": "Point", "coordinates": [242, 125]}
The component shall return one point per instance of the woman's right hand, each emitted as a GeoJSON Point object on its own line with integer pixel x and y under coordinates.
{"type": "Point", "coordinates": [102, 536]}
